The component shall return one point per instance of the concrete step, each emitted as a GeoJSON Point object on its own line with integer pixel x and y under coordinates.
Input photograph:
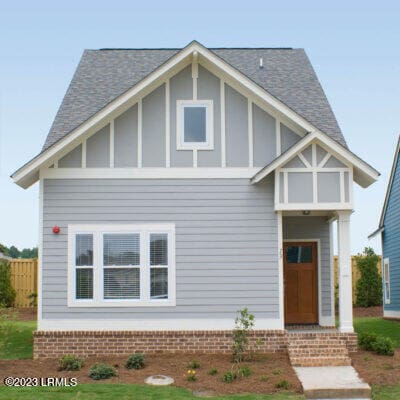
{"type": "Point", "coordinates": [319, 361]}
{"type": "Point", "coordinates": [332, 383]}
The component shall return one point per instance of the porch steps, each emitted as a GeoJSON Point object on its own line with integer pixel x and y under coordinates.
{"type": "Point", "coordinates": [310, 350]}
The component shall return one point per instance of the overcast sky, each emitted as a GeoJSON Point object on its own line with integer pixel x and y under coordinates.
{"type": "Point", "coordinates": [353, 46]}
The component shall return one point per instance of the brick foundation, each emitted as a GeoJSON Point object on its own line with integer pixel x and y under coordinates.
{"type": "Point", "coordinates": [53, 344]}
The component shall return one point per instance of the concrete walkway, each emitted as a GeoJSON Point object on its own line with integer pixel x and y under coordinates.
{"type": "Point", "coordinates": [332, 383]}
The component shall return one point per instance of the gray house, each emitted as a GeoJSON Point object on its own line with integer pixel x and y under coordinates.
{"type": "Point", "coordinates": [180, 185]}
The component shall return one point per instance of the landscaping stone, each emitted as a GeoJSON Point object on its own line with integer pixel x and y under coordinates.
{"type": "Point", "coordinates": [159, 380]}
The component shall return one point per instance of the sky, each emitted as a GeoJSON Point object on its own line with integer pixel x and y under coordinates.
{"type": "Point", "coordinates": [353, 46]}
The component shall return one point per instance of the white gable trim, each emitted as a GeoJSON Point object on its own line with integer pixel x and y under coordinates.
{"type": "Point", "coordinates": [364, 174]}
{"type": "Point", "coordinates": [28, 174]}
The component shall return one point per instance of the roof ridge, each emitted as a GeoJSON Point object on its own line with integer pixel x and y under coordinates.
{"type": "Point", "coordinates": [181, 48]}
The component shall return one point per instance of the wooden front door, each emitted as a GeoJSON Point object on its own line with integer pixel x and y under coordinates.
{"type": "Point", "coordinates": [301, 282]}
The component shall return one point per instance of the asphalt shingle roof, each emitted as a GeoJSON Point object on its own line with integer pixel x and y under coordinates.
{"type": "Point", "coordinates": [103, 75]}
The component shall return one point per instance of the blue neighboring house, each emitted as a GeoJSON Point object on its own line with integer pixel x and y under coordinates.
{"type": "Point", "coordinates": [389, 228]}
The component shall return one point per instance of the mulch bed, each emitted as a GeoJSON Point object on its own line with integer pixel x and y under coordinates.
{"type": "Point", "coordinates": [21, 314]}
{"type": "Point", "coordinates": [274, 367]}
{"type": "Point", "coordinates": [361, 312]}
{"type": "Point", "coordinates": [377, 370]}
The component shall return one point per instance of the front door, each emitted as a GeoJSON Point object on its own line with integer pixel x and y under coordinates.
{"type": "Point", "coordinates": [300, 281]}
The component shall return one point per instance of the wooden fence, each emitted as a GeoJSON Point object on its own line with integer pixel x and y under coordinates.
{"type": "Point", "coordinates": [24, 273]}
{"type": "Point", "coordinates": [355, 272]}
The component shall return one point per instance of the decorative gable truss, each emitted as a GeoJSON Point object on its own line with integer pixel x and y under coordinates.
{"type": "Point", "coordinates": [314, 179]}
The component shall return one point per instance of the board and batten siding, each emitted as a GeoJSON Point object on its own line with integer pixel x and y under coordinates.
{"type": "Point", "coordinates": [226, 242]}
{"type": "Point", "coordinates": [301, 228]}
{"type": "Point", "coordinates": [151, 115]}
{"type": "Point", "coordinates": [391, 240]}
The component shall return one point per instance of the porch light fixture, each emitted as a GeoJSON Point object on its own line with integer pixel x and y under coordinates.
{"type": "Point", "coordinates": [306, 212]}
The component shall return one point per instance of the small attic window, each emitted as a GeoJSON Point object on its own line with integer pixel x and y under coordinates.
{"type": "Point", "coordinates": [194, 125]}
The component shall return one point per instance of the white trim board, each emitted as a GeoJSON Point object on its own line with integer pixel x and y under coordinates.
{"type": "Point", "coordinates": [27, 174]}
{"type": "Point", "coordinates": [391, 313]}
{"type": "Point", "coordinates": [166, 324]}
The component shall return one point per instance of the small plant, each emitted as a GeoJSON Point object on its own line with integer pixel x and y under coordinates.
{"type": "Point", "coordinates": [213, 371]}
{"type": "Point", "coordinates": [283, 384]}
{"type": "Point", "coordinates": [276, 371]}
{"type": "Point", "coordinates": [263, 378]}
{"type": "Point", "coordinates": [194, 364]}
{"type": "Point", "coordinates": [69, 362]}
{"type": "Point", "coordinates": [367, 358]}
{"type": "Point", "coordinates": [191, 375]}
{"type": "Point", "coordinates": [244, 323]}
{"type": "Point", "coordinates": [102, 371]}
{"type": "Point", "coordinates": [229, 377]}
{"type": "Point", "coordinates": [244, 372]}
{"type": "Point", "coordinates": [32, 299]}
{"type": "Point", "coordinates": [367, 340]}
{"type": "Point", "coordinates": [388, 366]}
{"type": "Point", "coordinates": [384, 346]}
{"type": "Point", "coordinates": [135, 361]}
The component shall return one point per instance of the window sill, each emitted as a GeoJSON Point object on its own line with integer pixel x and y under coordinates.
{"type": "Point", "coordinates": [122, 303]}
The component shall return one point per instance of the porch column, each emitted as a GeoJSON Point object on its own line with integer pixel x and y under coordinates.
{"type": "Point", "coordinates": [345, 285]}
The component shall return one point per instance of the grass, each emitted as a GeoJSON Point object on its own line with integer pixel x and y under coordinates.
{"type": "Point", "coordinates": [123, 392]}
{"type": "Point", "coordinates": [379, 326]}
{"type": "Point", "coordinates": [386, 392]}
{"type": "Point", "coordinates": [19, 341]}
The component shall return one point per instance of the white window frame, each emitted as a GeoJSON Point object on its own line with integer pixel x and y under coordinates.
{"type": "Point", "coordinates": [98, 230]}
{"type": "Point", "coordinates": [180, 134]}
{"type": "Point", "coordinates": [386, 279]}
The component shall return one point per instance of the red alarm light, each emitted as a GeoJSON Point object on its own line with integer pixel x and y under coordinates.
{"type": "Point", "coordinates": [56, 229]}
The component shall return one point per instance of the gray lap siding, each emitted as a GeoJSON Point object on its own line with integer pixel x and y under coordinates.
{"type": "Point", "coordinates": [226, 242]}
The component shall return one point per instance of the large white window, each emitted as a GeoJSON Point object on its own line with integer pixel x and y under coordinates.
{"type": "Point", "coordinates": [195, 125]}
{"type": "Point", "coordinates": [386, 278]}
{"type": "Point", "coordinates": [121, 265]}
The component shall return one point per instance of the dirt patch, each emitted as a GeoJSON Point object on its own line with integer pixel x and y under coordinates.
{"type": "Point", "coordinates": [377, 370]}
{"type": "Point", "coordinates": [21, 314]}
{"type": "Point", "coordinates": [361, 312]}
{"type": "Point", "coordinates": [267, 371]}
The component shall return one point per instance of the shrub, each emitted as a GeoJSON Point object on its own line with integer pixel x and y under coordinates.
{"type": "Point", "coordinates": [194, 364]}
{"type": "Point", "coordinates": [213, 371]}
{"type": "Point", "coordinates": [70, 362]}
{"type": "Point", "coordinates": [102, 371]}
{"type": "Point", "coordinates": [244, 323]}
{"type": "Point", "coordinates": [229, 377]}
{"type": "Point", "coordinates": [135, 361]}
{"type": "Point", "coordinates": [367, 340]}
{"type": "Point", "coordinates": [283, 384]}
{"type": "Point", "coordinates": [244, 372]}
{"type": "Point", "coordinates": [384, 346]}
{"type": "Point", "coordinates": [369, 286]}
{"type": "Point", "coordinates": [191, 375]}
{"type": "Point", "coordinates": [276, 371]}
{"type": "Point", "coordinates": [263, 378]}
{"type": "Point", "coordinates": [32, 299]}
{"type": "Point", "coordinates": [7, 292]}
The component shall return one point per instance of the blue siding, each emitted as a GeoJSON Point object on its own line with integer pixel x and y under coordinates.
{"type": "Point", "coordinates": [391, 239]}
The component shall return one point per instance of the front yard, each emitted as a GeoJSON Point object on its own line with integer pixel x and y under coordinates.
{"type": "Point", "coordinates": [382, 372]}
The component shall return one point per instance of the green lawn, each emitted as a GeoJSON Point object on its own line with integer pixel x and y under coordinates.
{"type": "Point", "coordinates": [18, 341]}
{"type": "Point", "coordinates": [122, 392]}
{"type": "Point", "coordinates": [380, 326]}
{"type": "Point", "coordinates": [386, 392]}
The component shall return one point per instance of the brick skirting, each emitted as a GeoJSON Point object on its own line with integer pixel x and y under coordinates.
{"type": "Point", "coordinates": [52, 344]}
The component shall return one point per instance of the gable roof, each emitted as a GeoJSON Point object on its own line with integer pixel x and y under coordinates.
{"type": "Point", "coordinates": [103, 75]}
{"type": "Point", "coordinates": [388, 190]}
{"type": "Point", "coordinates": [363, 174]}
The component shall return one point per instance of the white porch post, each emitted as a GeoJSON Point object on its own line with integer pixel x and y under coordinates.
{"type": "Point", "coordinates": [345, 278]}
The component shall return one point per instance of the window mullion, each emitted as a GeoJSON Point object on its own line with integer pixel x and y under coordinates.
{"type": "Point", "coordinates": [98, 267]}
{"type": "Point", "coordinates": [144, 266]}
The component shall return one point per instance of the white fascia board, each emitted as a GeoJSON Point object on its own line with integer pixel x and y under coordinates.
{"type": "Point", "coordinates": [366, 174]}
{"type": "Point", "coordinates": [376, 232]}
{"type": "Point", "coordinates": [27, 175]}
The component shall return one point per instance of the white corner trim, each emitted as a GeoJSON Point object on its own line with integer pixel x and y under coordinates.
{"type": "Point", "coordinates": [40, 252]}
{"type": "Point", "coordinates": [278, 137]}
{"type": "Point", "coordinates": [250, 131]}
{"type": "Point", "coordinates": [223, 138]}
{"type": "Point", "coordinates": [280, 270]}
{"type": "Point", "coordinates": [112, 130]}
{"type": "Point", "coordinates": [139, 129]}
{"type": "Point", "coordinates": [149, 173]}
{"type": "Point", "coordinates": [150, 324]}
{"type": "Point", "coordinates": [167, 125]}
{"type": "Point", "coordinates": [84, 146]}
